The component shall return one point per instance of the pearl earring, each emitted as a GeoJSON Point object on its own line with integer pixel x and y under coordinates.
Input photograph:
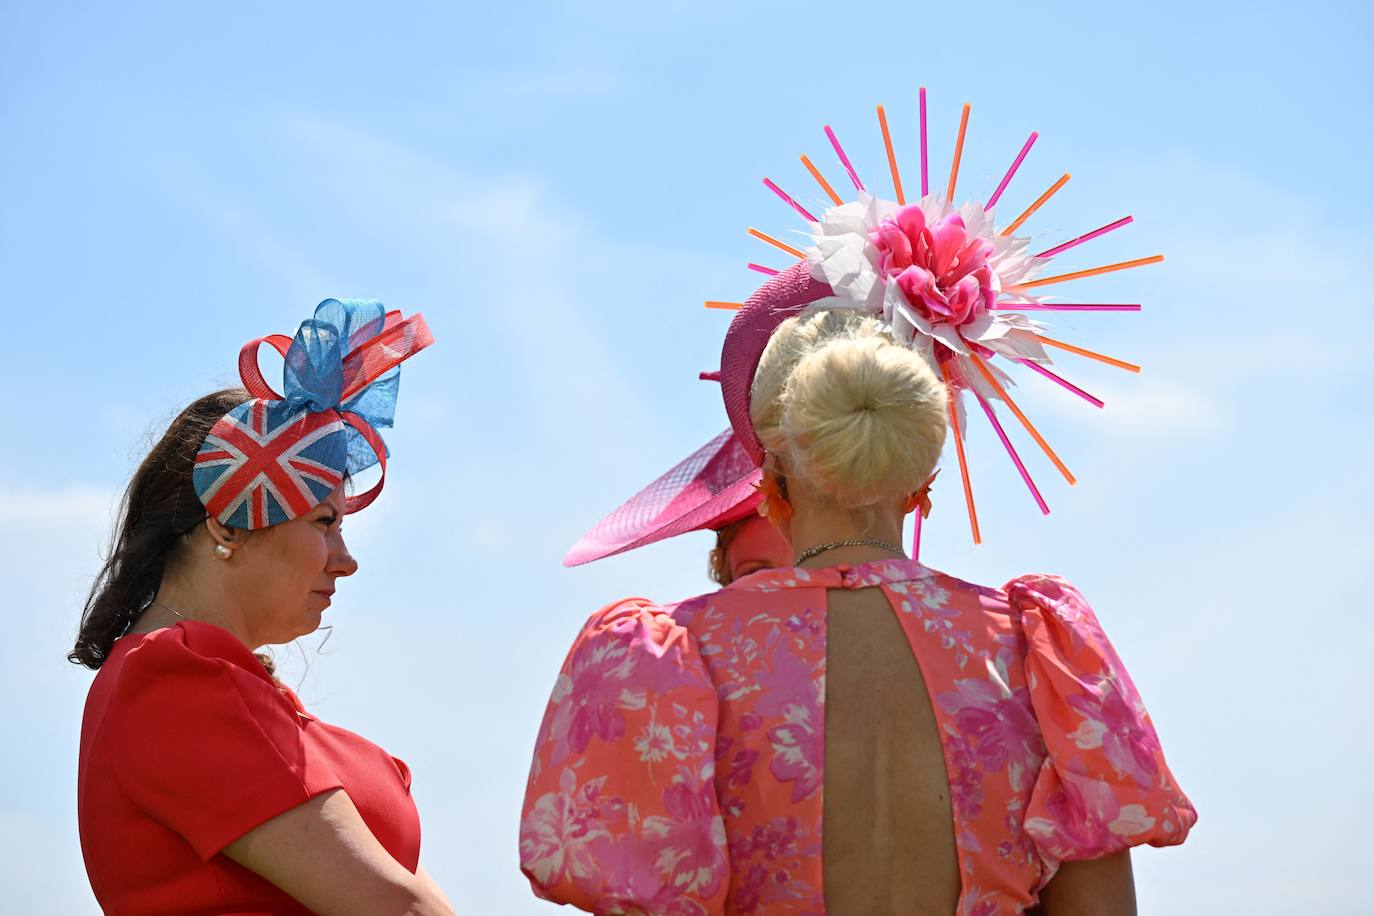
{"type": "Point", "coordinates": [223, 552]}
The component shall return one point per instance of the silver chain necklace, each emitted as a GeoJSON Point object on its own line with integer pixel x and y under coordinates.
{"type": "Point", "coordinates": [168, 607]}
{"type": "Point", "coordinates": [851, 542]}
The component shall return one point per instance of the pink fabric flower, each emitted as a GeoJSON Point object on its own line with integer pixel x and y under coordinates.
{"type": "Point", "coordinates": [591, 695]}
{"type": "Point", "coordinates": [1111, 723]}
{"type": "Point", "coordinates": [798, 748]}
{"type": "Point", "coordinates": [941, 270]}
{"type": "Point", "coordinates": [767, 861]}
{"type": "Point", "coordinates": [690, 837]}
{"type": "Point", "coordinates": [1078, 820]}
{"type": "Point", "coordinates": [560, 835]}
{"type": "Point", "coordinates": [1000, 728]}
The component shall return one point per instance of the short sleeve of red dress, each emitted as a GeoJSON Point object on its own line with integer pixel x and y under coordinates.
{"type": "Point", "coordinates": [203, 741]}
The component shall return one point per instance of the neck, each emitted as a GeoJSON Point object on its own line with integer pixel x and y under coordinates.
{"type": "Point", "coordinates": [814, 528]}
{"type": "Point", "coordinates": [192, 601]}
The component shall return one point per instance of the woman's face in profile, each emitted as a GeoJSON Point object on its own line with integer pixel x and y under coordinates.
{"type": "Point", "coordinates": [290, 571]}
{"type": "Point", "coordinates": [756, 545]}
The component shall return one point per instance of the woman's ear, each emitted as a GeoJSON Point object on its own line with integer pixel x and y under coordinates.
{"type": "Point", "coordinates": [224, 538]}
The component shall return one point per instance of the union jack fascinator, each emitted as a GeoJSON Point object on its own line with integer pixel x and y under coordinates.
{"type": "Point", "coordinates": [278, 456]}
{"type": "Point", "coordinates": [949, 280]}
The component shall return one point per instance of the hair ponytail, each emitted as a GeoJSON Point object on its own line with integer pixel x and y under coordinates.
{"type": "Point", "coordinates": [160, 507]}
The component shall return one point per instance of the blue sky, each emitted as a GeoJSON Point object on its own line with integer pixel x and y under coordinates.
{"type": "Point", "coordinates": [558, 187]}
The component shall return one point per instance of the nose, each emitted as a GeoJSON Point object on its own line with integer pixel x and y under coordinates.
{"type": "Point", "coordinates": [341, 562]}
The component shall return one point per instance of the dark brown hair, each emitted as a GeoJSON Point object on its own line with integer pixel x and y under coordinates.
{"type": "Point", "coordinates": [160, 508]}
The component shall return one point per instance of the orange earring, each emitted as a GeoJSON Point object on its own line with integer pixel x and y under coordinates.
{"type": "Point", "coordinates": [775, 506]}
{"type": "Point", "coordinates": [921, 498]}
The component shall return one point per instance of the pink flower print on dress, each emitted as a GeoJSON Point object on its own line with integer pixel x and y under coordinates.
{"type": "Point", "coordinates": [1087, 819]}
{"type": "Point", "coordinates": [735, 762]}
{"type": "Point", "coordinates": [1000, 728]}
{"type": "Point", "coordinates": [630, 882]}
{"type": "Point", "coordinates": [965, 776]}
{"type": "Point", "coordinates": [590, 696]}
{"type": "Point", "coordinates": [785, 678]}
{"type": "Point", "coordinates": [808, 621]}
{"type": "Point", "coordinates": [655, 744]}
{"type": "Point", "coordinates": [690, 837]}
{"type": "Point", "coordinates": [1112, 723]}
{"type": "Point", "coordinates": [767, 860]}
{"type": "Point", "coordinates": [978, 902]}
{"type": "Point", "coordinates": [561, 836]}
{"type": "Point", "coordinates": [798, 748]}
{"type": "Point", "coordinates": [941, 270]}
{"type": "Point", "coordinates": [790, 690]}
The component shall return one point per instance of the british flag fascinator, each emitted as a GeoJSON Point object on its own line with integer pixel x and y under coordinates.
{"type": "Point", "coordinates": [955, 282]}
{"type": "Point", "coordinates": [278, 455]}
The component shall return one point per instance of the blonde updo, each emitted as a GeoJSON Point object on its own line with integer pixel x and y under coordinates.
{"type": "Point", "coordinates": [855, 414]}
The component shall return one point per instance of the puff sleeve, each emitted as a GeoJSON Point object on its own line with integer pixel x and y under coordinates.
{"type": "Point", "coordinates": [203, 743]}
{"type": "Point", "coordinates": [1104, 786]}
{"type": "Point", "coordinates": [620, 812]}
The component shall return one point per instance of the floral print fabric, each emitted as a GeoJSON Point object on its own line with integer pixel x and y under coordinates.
{"type": "Point", "coordinates": [679, 768]}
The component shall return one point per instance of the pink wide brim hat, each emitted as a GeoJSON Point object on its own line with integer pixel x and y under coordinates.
{"type": "Point", "coordinates": [784, 296]}
{"type": "Point", "coordinates": [711, 488]}
{"type": "Point", "coordinates": [717, 484]}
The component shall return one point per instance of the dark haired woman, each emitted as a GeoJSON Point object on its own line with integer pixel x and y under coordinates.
{"type": "Point", "coordinates": [204, 785]}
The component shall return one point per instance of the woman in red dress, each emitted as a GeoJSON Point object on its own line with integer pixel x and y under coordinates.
{"type": "Point", "coordinates": [204, 786]}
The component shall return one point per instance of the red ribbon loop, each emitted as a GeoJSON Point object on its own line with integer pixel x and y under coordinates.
{"type": "Point", "coordinates": [248, 365]}
{"type": "Point", "coordinates": [363, 500]}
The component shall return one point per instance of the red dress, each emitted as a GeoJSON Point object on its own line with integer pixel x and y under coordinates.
{"type": "Point", "coordinates": [186, 745]}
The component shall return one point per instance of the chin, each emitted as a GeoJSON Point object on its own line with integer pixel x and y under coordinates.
{"type": "Point", "coordinates": [309, 624]}
{"type": "Point", "coordinates": [303, 624]}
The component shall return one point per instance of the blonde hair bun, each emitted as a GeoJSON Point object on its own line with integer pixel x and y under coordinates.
{"type": "Point", "coordinates": [859, 416]}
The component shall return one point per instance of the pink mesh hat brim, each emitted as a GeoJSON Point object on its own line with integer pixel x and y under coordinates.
{"type": "Point", "coordinates": [716, 484]}
{"type": "Point", "coordinates": [782, 297]}
{"type": "Point", "coordinates": [711, 488]}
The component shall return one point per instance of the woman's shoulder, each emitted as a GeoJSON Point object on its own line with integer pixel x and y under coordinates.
{"type": "Point", "coordinates": [193, 670]}
{"type": "Point", "coordinates": [637, 626]}
{"type": "Point", "coordinates": [184, 641]}
{"type": "Point", "coordinates": [1007, 601]}
{"type": "Point", "coordinates": [1050, 605]}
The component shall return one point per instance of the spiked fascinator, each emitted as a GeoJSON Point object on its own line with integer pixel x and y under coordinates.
{"type": "Point", "coordinates": [950, 280]}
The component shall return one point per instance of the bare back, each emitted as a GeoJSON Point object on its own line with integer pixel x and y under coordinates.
{"type": "Point", "coordinates": [888, 826]}
{"type": "Point", "coordinates": [814, 740]}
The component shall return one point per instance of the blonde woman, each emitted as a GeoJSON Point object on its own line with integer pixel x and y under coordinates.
{"type": "Point", "coordinates": [860, 734]}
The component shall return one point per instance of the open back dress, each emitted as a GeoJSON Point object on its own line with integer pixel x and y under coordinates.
{"type": "Point", "coordinates": [681, 764]}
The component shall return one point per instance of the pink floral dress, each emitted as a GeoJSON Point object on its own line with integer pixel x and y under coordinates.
{"type": "Point", "coordinates": [679, 766]}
